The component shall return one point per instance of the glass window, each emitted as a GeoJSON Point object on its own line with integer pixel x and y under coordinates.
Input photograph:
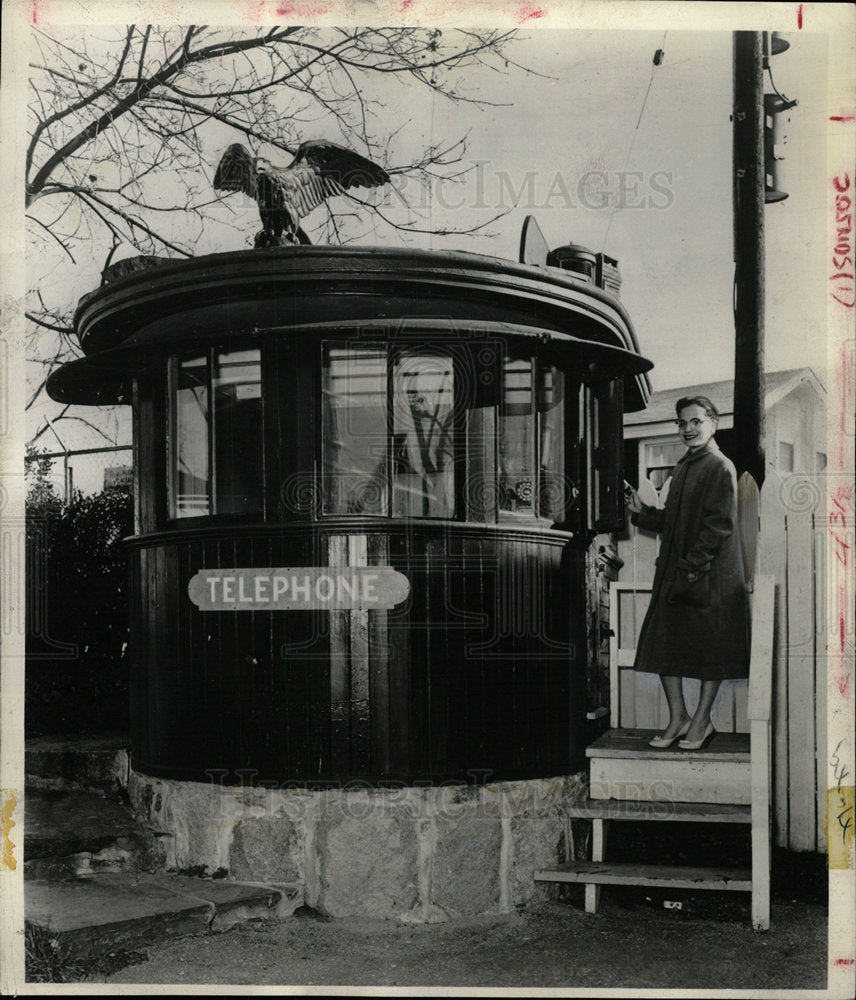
{"type": "Point", "coordinates": [786, 457]}
{"type": "Point", "coordinates": [553, 489]}
{"type": "Point", "coordinates": [422, 435]}
{"type": "Point", "coordinates": [191, 496]}
{"type": "Point", "coordinates": [387, 420]}
{"type": "Point", "coordinates": [237, 446]}
{"type": "Point", "coordinates": [531, 454]}
{"type": "Point", "coordinates": [354, 430]}
{"type": "Point", "coordinates": [397, 423]}
{"type": "Point", "coordinates": [516, 472]}
{"type": "Point", "coordinates": [216, 451]}
{"type": "Point", "coordinates": [660, 458]}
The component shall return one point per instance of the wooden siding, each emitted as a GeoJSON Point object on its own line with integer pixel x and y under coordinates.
{"type": "Point", "coordinates": [481, 672]}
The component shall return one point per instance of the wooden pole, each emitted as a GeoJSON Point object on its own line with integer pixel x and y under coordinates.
{"type": "Point", "coordinates": [748, 206]}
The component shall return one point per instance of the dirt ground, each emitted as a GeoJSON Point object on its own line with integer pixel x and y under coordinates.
{"type": "Point", "coordinates": [632, 942]}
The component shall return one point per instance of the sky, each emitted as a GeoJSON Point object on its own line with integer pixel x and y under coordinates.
{"type": "Point", "coordinates": [608, 150]}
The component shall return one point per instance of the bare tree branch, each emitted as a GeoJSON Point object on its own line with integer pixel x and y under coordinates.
{"type": "Point", "coordinates": [122, 127]}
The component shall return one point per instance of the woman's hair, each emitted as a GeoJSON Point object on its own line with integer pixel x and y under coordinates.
{"type": "Point", "coordinates": [701, 401]}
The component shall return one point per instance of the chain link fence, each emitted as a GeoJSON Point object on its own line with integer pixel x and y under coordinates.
{"type": "Point", "coordinates": [83, 470]}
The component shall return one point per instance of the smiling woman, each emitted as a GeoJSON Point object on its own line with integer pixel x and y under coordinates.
{"type": "Point", "coordinates": [697, 621]}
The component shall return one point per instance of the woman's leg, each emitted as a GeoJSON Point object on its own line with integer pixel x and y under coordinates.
{"type": "Point", "coordinates": [678, 714]}
{"type": "Point", "coordinates": [701, 716]}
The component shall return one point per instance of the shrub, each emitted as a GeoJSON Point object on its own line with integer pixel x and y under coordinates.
{"type": "Point", "coordinates": [77, 610]}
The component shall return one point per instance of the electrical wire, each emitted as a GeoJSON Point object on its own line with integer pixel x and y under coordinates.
{"type": "Point", "coordinates": [773, 83]}
{"type": "Point", "coordinates": [654, 68]}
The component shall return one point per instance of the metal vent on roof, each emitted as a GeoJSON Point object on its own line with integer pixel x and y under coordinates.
{"type": "Point", "coordinates": [573, 257]}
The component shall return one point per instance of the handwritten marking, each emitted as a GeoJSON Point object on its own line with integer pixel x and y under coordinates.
{"type": "Point", "coordinates": [800, 17]}
{"type": "Point", "coordinates": [839, 814]}
{"type": "Point", "coordinates": [842, 118]}
{"type": "Point", "coordinates": [35, 11]}
{"type": "Point", "coordinates": [837, 521]}
{"type": "Point", "coordinates": [844, 961]}
{"type": "Point", "coordinates": [842, 253]}
{"type": "Point", "coordinates": [8, 862]}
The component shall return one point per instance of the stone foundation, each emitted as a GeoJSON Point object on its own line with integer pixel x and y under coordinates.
{"type": "Point", "coordinates": [414, 853]}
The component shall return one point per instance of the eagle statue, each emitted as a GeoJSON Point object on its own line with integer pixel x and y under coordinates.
{"type": "Point", "coordinates": [285, 195]}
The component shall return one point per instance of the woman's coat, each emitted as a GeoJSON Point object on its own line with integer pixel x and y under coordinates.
{"type": "Point", "coordinates": [697, 624]}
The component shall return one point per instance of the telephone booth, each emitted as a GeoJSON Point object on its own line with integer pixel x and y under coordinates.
{"type": "Point", "coordinates": [365, 480]}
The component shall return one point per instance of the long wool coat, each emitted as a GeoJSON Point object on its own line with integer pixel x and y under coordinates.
{"type": "Point", "coordinates": [697, 623]}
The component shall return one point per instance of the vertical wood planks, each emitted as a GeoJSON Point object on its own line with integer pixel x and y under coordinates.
{"type": "Point", "coordinates": [358, 701]}
{"type": "Point", "coordinates": [801, 684]}
{"type": "Point", "coordinates": [773, 562]}
{"type": "Point", "coordinates": [339, 623]}
{"type": "Point", "coordinates": [379, 667]}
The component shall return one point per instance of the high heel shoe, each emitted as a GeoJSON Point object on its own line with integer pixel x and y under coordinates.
{"type": "Point", "coordinates": [661, 743]}
{"type": "Point", "coordinates": [698, 744]}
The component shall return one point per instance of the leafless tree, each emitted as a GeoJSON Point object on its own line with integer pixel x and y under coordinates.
{"type": "Point", "coordinates": [126, 126]}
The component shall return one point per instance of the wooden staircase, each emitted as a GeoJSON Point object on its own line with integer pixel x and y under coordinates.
{"type": "Point", "coordinates": [728, 781]}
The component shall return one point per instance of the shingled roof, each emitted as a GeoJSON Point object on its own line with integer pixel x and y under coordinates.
{"type": "Point", "coordinates": [721, 394]}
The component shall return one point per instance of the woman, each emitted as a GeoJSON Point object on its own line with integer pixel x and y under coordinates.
{"type": "Point", "coordinates": [697, 622]}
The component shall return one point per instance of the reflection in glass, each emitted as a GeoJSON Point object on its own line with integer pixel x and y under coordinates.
{"type": "Point", "coordinates": [423, 452]}
{"type": "Point", "coordinates": [237, 388]}
{"type": "Point", "coordinates": [190, 438]}
{"type": "Point", "coordinates": [217, 460]}
{"type": "Point", "coordinates": [553, 488]}
{"type": "Point", "coordinates": [516, 473]}
{"type": "Point", "coordinates": [354, 430]}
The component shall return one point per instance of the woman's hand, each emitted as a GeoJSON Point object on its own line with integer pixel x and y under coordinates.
{"type": "Point", "coordinates": [631, 499]}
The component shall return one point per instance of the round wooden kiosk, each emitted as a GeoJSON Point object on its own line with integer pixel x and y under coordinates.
{"type": "Point", "coordinates": [365, 483]}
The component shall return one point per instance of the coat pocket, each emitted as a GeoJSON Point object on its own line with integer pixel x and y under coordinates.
{"type": "Point", "coordinates": [690, 586]}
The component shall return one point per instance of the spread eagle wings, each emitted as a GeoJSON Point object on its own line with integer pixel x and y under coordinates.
{"type": "Point", "coordinates": [319, 170]}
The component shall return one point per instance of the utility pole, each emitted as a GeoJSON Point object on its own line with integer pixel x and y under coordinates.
{"type": "Point", "coordinates": [748, 206]}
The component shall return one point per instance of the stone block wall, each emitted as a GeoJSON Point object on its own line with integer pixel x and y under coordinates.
{"type": "Point", "coordinates": [418, 854]}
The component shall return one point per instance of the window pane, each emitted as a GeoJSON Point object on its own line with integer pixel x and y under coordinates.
{"type": "Point", "coordinates": [554, 492]}
{"type": "Point", "coordinates": [238, 446]}
{"type": "Point", "coordinates": [354, 431]}
{"type": "Point", "coordinates": [786, 457]}
{"type": "Point", "coordinates": [660, 458]}
{"type": "Point", "coordinates": [516, 438]}
{"type": "Point", "coordinates": [423, 453]}
{"type": "Point", "coordinates": [190, 438]}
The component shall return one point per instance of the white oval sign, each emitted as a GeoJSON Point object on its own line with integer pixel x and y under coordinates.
{"type": "Point", "coordinates": [298, 588]}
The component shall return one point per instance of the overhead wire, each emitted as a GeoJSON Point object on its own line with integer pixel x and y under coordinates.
{"type": "Point", "coordinates": [654, 66]}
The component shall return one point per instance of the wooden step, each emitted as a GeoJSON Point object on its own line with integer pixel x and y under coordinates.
{"type": "Point", "coordinates": [674, 876]}
{"type": "Point", "coordinates": [660, 812]}
{"type": "Point", "coordinates": [633, 744]}
{"type": "Point", "coordinates": [623, 766]}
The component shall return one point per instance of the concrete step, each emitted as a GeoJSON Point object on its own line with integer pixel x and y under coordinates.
{"type": "Point", "coordinates": [98, 763]}
{"type": "Point", "coordinates": [130, 910]}
{"type": "Point", "coordinates": [80, 832]}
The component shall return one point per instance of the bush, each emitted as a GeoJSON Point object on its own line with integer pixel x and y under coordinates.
{"type": "Point", "coordinates": [77, 610]}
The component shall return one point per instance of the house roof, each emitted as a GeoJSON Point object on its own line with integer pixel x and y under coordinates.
{"type": "Point", "coordinates": [777, 385]}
